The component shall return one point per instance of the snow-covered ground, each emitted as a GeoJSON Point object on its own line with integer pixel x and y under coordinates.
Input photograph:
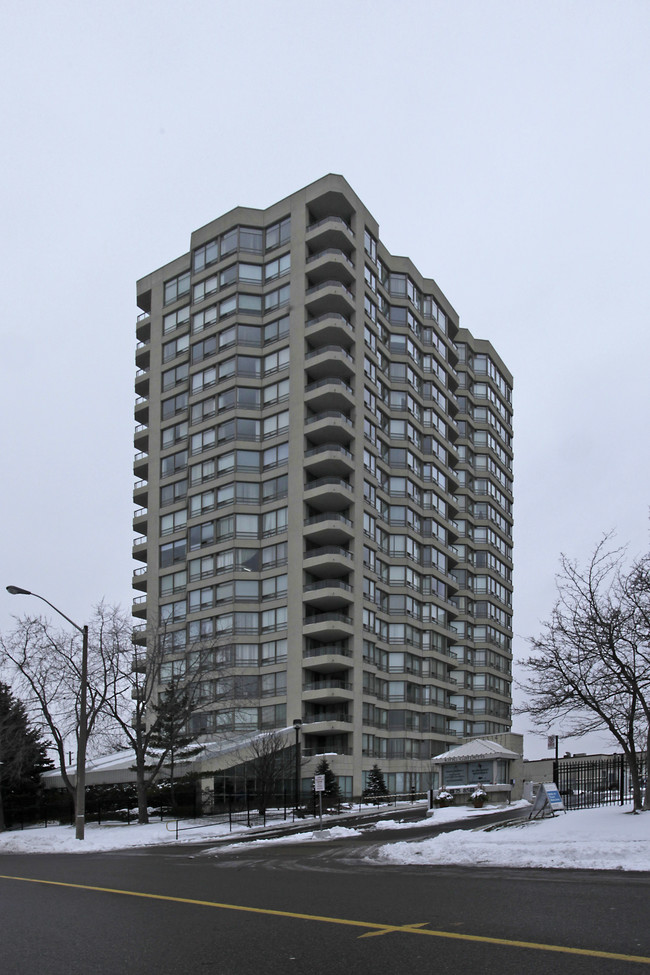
{"type": "Point", "coordinates": [610, 838]}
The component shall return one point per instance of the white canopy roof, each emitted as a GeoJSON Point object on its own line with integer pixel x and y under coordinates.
{"type": "Point", "coordinates": [477, 750]}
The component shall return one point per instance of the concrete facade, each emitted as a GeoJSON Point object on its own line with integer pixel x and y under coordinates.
{"type": "Point", "coordinates": [324, 490]}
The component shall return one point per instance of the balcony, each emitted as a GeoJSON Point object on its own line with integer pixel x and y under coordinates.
{"type": "Point", "coordinates": [141, 409]}
{"type": "Point", "coordinates": [328, 494]}
{"type": "Point", "coordinates": [328, 459]}
{"type": "Point", "coordinates": [143, 355]}
{"type": "Point", "coordinates": [329, 393]}
{"type": "Point", "coordinates": [142, 382]}
{"type": "Point", "coordinates": [329, 296]}
{"type": "Point", "coordinates": [141, 492]}
{"type": "Point", "coordinates": [140, 519]}
{"type": "Point", "coordinates": [141, 464]}
{"type": "Point", "coordinates": [329, 361]}
{"type": "Point", "coordinates": [139, 663]}
{"type": "Point", "coordinates": [140, 549]}
{"type": "Point", "coordinates": [326, 722]}
{"type": "Point", "coordinates": [331, 328]}
{"type": "Point", "coordinates": [328, 626]}
{"type": "Point", "coordinates": [329, 528]}
{"type": "Point", "coordinates": [141, 437]}
{"type": "Point", "coordinates": [329, 425]}
{"type": "Point", "coordinates": [327, 691]}
{"type": "Point", "coordinates": [139, 607]}
{"type": "Point", "coordinates": [143, 327]}
{"type": "Point", "coordinates": [328, 594]}
{"type": "Point", "coordinates": [330, 264]}
{"type": "Point", "coordinates": [327, 658]}
{"type": "Point", "coordinates": [328, 561]}
{"type": "Point", "coordinates": [139, 580]}
{"type": "Point", "coordinates": [139, 635]}
{"type": "Point", "coordinates": [330, 231]}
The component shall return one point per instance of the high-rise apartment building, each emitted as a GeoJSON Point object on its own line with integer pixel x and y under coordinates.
{"type": "Point", "coordinates": [324, 490]}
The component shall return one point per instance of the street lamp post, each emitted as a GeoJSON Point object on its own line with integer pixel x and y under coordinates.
{"type": "Point", "coordinates": [297, 725]}
{"type": "Point", "coordinates": [82, 736]}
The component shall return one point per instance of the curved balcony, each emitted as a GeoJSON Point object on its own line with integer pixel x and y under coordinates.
{"type": "Point", "coordinates": [329, 625]}
{"type": "Point", "coordinates": [139, 634]}
{"type": "Point", "coordinates": [333, 425]}
{"type": "Point", "coordinates": [327, 658]}
{"type": "Point", "coordinates": [330, 328]}
{"type": "Point", "coordinates": [328, 594]}
{"type": "Point", "coordinates": [141, 464]}
{"type": "Point", "coordinates": [328, 296]}
{"type": "Point", "coordinates": [142, 382]}
{"type": "Point", "coordinates": [140, 549]}
{"type": "Point", "coordinates": [139, 663]}
{"type": "Point", "coordinates": [143, 327]}
{"type": "Point", "coordinates": [328, 561]}
{"type": "Point", "coordinates": [141, 409]}
{"type": "Point", "coordinates": [328, 459]}
{"type": "Point", "coordinates": [326, 724]}
{"type": "Point", "coordinates": [330, 231]}
{"type": "Point", "coordinates": [327, 691]}
{"type": "Point", "coordinates": [329, 264]}
{"type": "Point", "coordinates": [329, 528]}
{"type": "Point", "coordinates": [143, 355]}
{"type": "Point", "coordinates": [329, 360]}
{"type": "Point", "coordinates": [139, 580]}
{"type": "Point", "coordinates": [141, 493]}
{"type": "Point", "coordinates": [139, 607]}
{"type": "Point", "coordinates": [141, 437]}
{"type": "Point", "coordinates": [329, 393]}
{"type": "Point", "coordinates": [140, 520]}
{"type": "Point", "coordinates": [328, 494]}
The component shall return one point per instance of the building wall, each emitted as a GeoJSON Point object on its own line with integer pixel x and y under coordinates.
{"type": "Point", "coordinates": [297, 357]}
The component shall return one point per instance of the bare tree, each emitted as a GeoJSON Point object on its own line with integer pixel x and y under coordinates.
{"type": "Point", "coordinates": [272, 759]}
{"type": "Point", "coordinates": [158, 695]}
{"type": "Point", "coordinates": [591, 665]}
{"type": "Point", "coordinates": [153, 693]}
{"type": "Point", "coordinates": [46, 669]}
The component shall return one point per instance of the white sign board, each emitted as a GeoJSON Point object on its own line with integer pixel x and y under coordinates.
{"type": "Point", "coordinates": [319, 783]}
{"type": "Point", "coordinates": [553, 795]}
{"type": "Point", "coordinates": [547, 800]}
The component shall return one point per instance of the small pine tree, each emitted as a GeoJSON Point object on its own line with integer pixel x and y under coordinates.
{"type": "Point", "coordinates": [332, 793]}
{"type": "Point", "coordinates": [376, 787]}
{"type": "Point", "coordinates": [171, 735]}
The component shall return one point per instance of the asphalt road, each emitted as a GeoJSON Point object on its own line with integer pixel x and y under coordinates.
{"type": "Point", "coordinates": [316, 907]}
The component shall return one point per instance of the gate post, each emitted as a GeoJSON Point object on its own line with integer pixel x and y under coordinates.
{"type": "Point", "coordinates": [621, 779]}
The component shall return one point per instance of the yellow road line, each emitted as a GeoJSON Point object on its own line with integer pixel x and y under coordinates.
{"type": "Point", "coordinates": [375, 928]}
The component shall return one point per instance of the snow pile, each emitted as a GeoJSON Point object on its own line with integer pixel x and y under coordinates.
{"type": "Point", "coordinates": [609, 838]}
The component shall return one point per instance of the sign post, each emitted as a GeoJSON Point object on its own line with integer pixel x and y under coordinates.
{"type": "Point", "coordinates": [319, 787]}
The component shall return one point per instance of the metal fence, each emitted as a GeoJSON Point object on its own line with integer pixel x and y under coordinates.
{"type": "Point", "coordinates": [54, 807]}
{"type": "Point", "coordinates": [597, 782]}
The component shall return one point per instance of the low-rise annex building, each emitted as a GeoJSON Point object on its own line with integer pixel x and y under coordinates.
{"type": "Point", "coordinates": [493, 764]}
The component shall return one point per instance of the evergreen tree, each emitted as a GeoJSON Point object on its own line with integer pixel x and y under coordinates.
{"type": "Point", "coordinates": [376, 787]}
{"type": "Point", "coordinates": [332, 793]}
{"type": "Point", "coordinates": [171, 728]}
{"type": "Point", "coordinates": [23, 753]}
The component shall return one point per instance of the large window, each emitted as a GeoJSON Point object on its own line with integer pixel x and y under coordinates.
{"type": "Point", "coordinates": [176, 287]}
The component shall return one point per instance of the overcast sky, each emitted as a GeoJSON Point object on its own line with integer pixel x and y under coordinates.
{"type": "Point", "coordinates": [503, 146]}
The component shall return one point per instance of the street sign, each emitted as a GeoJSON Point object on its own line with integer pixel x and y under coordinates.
{"type": "Point", "coordinates": [551, 742]}
{"type": "Point", "coordinates": [319, 783]}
